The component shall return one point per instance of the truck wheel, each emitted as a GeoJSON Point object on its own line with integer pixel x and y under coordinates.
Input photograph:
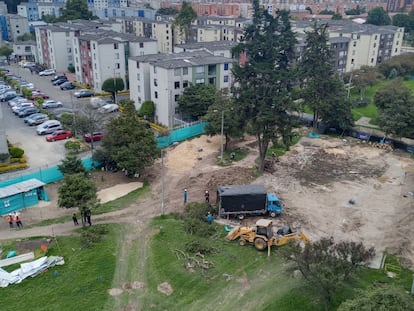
{"type": "Point", "coordinates": [240, 216]}
{"type": "Point", "coordinates": [242, 242]}
{"type": "Point", "coordinates": [273, 214]}
{"type": "Point", "coordinates": [260, 244]}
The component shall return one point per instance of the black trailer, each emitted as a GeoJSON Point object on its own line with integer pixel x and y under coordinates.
{"type": "Point", "coordinates": [241, 200]}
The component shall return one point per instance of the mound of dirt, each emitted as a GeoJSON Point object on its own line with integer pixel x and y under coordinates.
{"type": "Point", "coordinates": [165, 288]}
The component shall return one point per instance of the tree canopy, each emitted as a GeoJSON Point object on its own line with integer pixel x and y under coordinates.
{"type": "Point", "coordinates": [380, 297]}
{"type": "Point", "coordinates": [378, 16]}
{"type": "Point", "coordinates": [6, 50]}
{"type": "Point", "coordinates": [196, 99]}
{"type": "Point", "coordinates": [167, 11]}
{"type": "Point", "coordinates": [71, 165]}
{"type": "Point", "coordinates": [262, 86]}
{"type": "Point", "coordinates": [327, 266]}
{"type": "Point", "coordinates": [74, 9]}
{"type": "Point", "coordinates": [184, 18]}
{"type": "Point", "coordinates": [147, 110]}
{"type": "Point", "coordinates": [77, 191]}
{"type": "Point", "coordinates": [224, 106]}
{"type": "Point", "coordinates": [396, 105]}
{"type": "Point", "coordinates": [323, 91]}
{"type": "Point", "coordinates": [113, 85]}
{"type": "Point", "coordinates": [128, 143]}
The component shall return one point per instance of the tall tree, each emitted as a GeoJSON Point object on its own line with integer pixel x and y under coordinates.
{"type": "Point", "coordinates": [378, 16]}
{"type": "Point", "coordinates": [263, 83]}
{"type": "Point", "coordinates": [184, 18]}
{"type": "Point", "coordinates": [222, 114]}
{"type": "Point", "coordinates": [128, 142]}
{"type": "Point", "coordinates": [327, 266]}
{"type": "Point", "coordinates": [396, 105]}
{"type": "Point", "coordinates": [196, 99]}
{"type": "Point", "coordinates": [113, 85]}
{"type": "Point", "coordinates": [76, 9]}
{"type": "Point", "coordinates": [147, 110]}
{"type": "Point", "coordinates": [323, 90]}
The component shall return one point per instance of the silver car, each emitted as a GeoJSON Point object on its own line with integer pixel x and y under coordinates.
{"type": "Point", "coordinates": [52, 104]}
{"type": "Point", "coordinates": [37, 119]}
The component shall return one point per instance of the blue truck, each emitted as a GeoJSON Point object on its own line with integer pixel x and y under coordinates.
{"type": "Point", "coordinates": [247, 200]}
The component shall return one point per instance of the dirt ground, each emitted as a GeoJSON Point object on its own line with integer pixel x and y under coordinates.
{"type": "Point", "coordinates": [315, 179]}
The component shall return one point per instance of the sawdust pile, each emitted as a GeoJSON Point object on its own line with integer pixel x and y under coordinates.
{"type": "Point", "coordinates": [184, 156]}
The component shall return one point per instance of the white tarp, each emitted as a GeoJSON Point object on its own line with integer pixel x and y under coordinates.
{"type": "Point", "coordinates": [31, 269]}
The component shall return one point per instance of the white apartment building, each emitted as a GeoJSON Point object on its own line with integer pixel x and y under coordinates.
{"type": "Point", "coordinates": [16, 26]}
{"type": "Point", "coordinates": [162, 31]}
{"type": "Point", "coordinates": [217, 48]}
{"type": "Point", "coordinates": [162, 78]}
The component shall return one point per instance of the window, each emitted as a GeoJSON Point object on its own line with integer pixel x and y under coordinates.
{"type": "Point", "coordinates": [226, 79]}
{"type": "Point", "coordinates": [116, 46]}
{"type": "Point", "coordinates": [156, 94]}
{"type": "Point", "coordinates": [176, 97]}
{"type": "Point", "coordinates": [155, 69]}
{"type": "Point", "coordinates": [226, 66]}
{"type": "Point", "coordinates": [185, 83]}
{"type": "Point", "coordinates": [139, 88]}
{"type": "Point", "coordinates": [141, 45]}
{"type": "Point", "coordinates": [116, 55]}
{"type": "Point", "coordinates": [200, 69]}
{"type": "Point", "coordinates": [354, 43]}
{"type": "Point", "coordinates": [177, 72]}
{"type": "Point", "coordinates": [138, 77]}
{"type": "Point", "coordinates": [93, 46]}
{"type": "Point", "coordinates": [177, 84]}
{"type": "Point", "coordinates": [185, 71]}
{"type": "Point", "coordinates": [137, 64]}
{"type": "Point", "coordinates": [155, 82]}
{"type": "Point", "coordinates": [199, 81]}
{"type": "Point", "coordinates": [117, 65]}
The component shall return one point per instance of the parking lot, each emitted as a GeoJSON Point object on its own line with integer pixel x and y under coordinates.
{"type": "Point", "coordinates": [39, 152]}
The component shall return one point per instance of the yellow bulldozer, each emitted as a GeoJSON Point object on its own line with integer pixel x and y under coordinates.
{"type": "Point", "coordinates": [262, 235]}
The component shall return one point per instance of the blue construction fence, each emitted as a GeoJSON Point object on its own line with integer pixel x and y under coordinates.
{"type": "Point", "coordinates": [52, 174]}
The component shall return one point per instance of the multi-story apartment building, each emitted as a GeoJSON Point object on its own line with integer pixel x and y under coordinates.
{"type": "Point", "coordinates": [25, 50]}
{"type": "Point", "coordinates": [217, 48]}
{"type": "Point", "coordinates": [3, 8]}
{"type": "Point", "coordinates": [115, 12]}
{"type": "Point", "coordinates": [99, 57]}
{"type": "Point", "coordinates": [162, 78]}
{"type": "Point", "coordinates": [368, 45]}
{"type": "Point", "coordinates": [12, 26]}
{"type": "Point", "coordinates": [34, 11]}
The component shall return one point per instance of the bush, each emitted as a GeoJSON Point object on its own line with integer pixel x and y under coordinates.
{"type": "Point", "coordinates": [26, 92]}
{"type": "Point", "coordinates": [4, 164]}
{"type": "Point", "coordinates": [93, 235]}
{"type": "Point", "coordinates": [73, 146]}
{"type": "Point", "coordinates": [16, 152]}
{"type": "Point", "coordinates": [18, 160]}
{"type": "Point", "coordinates": [10, 168]}
{"type": "Point", "coordinates": [196, 246]}
{"type": "Point", "coordinates": [4, 157]}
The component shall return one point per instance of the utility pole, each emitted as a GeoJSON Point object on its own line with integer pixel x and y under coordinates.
{"type": "Point", "coordinates": [162, 183]}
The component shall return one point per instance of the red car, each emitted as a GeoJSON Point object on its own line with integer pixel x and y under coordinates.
{"type": "Point", "coordinates": [59, 135]}
{"type": "Point", "coordinates": [39, 95]}
{"type": "Point", "coordinates": [96, 136]}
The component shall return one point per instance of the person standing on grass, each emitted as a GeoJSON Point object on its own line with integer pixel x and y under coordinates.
{"type": "Point", "coordinates": [207, 196]}
{"type": "Point", "coordinates": [88, 216]}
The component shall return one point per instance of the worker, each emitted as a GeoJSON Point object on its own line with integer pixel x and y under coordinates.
{"type": "Point", "coordinates": [9, 219]}
{"type": "Point", "coordinates": [18, 221]}
{"type": "Point", "coordinates": [209, 218]}
{"type": "Point", "coordinates": [207, 196]}
{"type": "Point", "coordinates": [185, 196]}
{"type": "Point", "coordinates": [75, 219]}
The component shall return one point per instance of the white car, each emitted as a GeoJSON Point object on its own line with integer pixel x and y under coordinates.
{"type": "Point", "coordinates": [109, 108]}
{"type": "Point", "coordinates": [47, 72]}
{"type": "Point", "coordinates": [52, 104]}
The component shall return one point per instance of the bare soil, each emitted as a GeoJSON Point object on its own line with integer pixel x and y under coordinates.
{"type": "Point", "coordinates": [315, 179]}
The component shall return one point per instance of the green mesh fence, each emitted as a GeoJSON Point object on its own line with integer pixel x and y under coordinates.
{"type": "Point", "coordinates": [181, 134]}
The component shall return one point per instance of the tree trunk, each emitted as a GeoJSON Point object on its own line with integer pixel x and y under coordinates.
{"type": "Point", "coordinates": [263, 145]}
{"type": "Point", "coordinates": [315, 121]}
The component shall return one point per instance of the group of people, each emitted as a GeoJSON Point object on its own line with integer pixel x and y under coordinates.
{"type": "Point", "coordinates": [14, 218]}
{"type": "Point", "coordinates": [85, 215]}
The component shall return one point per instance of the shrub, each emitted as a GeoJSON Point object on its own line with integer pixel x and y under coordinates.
{"type": "Point", "coordinates": [93, 235]}
{"type": "Point", "coordinates": [26, 92]}
{"type": "Point", "coordinates": [16, 152]}
{"type": "Point", "coordinates": [197, 246]}
{"type": "Point", "coordinates": [4, 164]}
{"type": "Point", "coordinates": [18, 160]}
{"type": "Point", "coordinates": [73, 146]}
{"type": "Point", "coordinates": [10, 168]}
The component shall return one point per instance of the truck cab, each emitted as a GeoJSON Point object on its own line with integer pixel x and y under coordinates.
{"type": "Point", "coordinates": [274, 205]}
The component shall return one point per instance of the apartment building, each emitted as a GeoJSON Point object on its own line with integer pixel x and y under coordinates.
{"type": "Point", "coordinates": [3, 8]}
{"type": "Point", "coordinates": [34, 11]}
{"type": "Point", "coordinates": [115, 12]}
{"type": "Point", "coordinates": [368, 45]}
{"type": "Point", "coordinates": [25, 50]}
{"type": "Point", "coordinates": [217, 48]}
{"type": "Point", "coordinates": [162, 78]}
{"type": "Point", "coordinates": [12, 26]}
{"type": "Point", "coordinates": [99, 57]}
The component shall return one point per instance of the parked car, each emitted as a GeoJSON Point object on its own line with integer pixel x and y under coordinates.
{"type": "Point", "coordinates": [21, 106]}
{"type": "Point", "coordinates": [39, 95]}
{"type": "Point", "coordinates": [26, 119]}
{"type": "Point", "coordinates": [60, 81]}
{"type": "Point", "coordinates": [59, 135]}
{"type": "Point", "coordinates": [47, 72]}
{"type": "Point", "coordinates": [95, 136]}
{"type": "Point", "coordinates": [37, 119]}
{"type": "Point", "coordinates": [27, 112]}
{"type": "Point", "coordinates": [27, 85]}
{"type": "Point", "coordinates": [8, 95]}
{"type": "Point", "coordinates": [36, 68]}
{"type": "Point", "coordinates": [52, 104]}
{"type": "Point", "coordinates": [48, 127]}
{"type": "Point", "coordinates": [108, 108]}
{"type": "Point", "coordinates": [84, 93]}
{"type": "Point", "coordinates": [57, 77]}
{"type": "Point", "coordinates": [67, 86]}
{"type": "Point", "coordinates": [15, 101]}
